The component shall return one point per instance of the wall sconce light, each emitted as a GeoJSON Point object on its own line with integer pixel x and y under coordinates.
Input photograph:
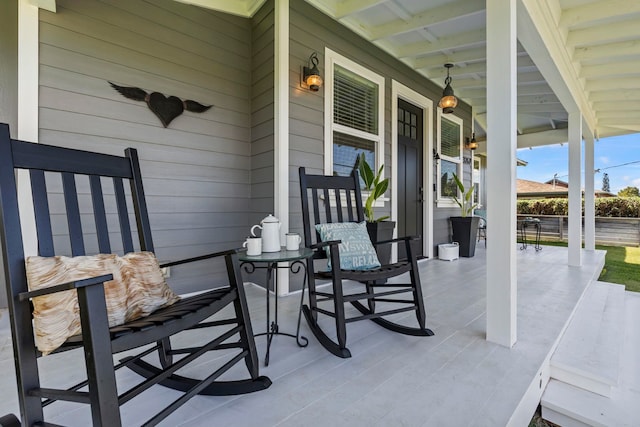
{"type": "Point", "coordinates": [310, 74]}
{"type": "Point", "coordinates": [448, 101]}
{"type": "Point", "coordinates": [472, 144]}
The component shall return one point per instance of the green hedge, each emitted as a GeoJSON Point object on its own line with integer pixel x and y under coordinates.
{"type": "Point", "coordinates": [628, 207]}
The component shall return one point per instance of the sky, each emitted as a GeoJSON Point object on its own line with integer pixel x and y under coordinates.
{"type": "Point", "coordinates": [618, 156]}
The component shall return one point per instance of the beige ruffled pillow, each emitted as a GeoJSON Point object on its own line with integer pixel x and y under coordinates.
{"type": "Point", "coordinates": [138, 288]}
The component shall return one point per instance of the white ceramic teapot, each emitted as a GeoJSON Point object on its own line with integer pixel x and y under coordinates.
{"type": "Point", "coordinates": [270, 227]}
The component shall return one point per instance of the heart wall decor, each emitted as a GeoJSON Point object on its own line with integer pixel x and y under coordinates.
{"type": "Point", "coordinates": [165, 108]}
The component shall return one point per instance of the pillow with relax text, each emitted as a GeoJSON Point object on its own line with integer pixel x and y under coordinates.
{"type": "Point", "coordinates": [356, 250]}
{"type": "Point", "coordinates": [138, 288]}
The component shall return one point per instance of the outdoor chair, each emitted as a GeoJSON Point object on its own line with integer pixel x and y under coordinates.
{"type": "Point", "coordinates": [332, 208]}
{"type": "Point", "coordinates": [82, 211]}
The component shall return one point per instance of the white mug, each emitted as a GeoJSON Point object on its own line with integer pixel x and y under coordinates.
{"type": "Point", "coordinates": [253, 245]}
{"type": "Point", "coordinates": [293, 241]}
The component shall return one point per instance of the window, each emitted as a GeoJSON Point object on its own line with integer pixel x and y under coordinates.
{"type": "Point", "coordinates": [477, 182]}
{"type": "Point", "coordinates": [450, 150]}
{"type": "Point", "coordinates": [354, 115]}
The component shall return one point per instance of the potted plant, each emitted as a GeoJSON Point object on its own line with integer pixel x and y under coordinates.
{"type": "Point", "coordinates": [378, 228]}
{"type": "Point", "coordinates": [465, 226]}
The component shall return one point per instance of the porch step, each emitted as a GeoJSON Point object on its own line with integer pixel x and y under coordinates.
{"type": "Point", "coordinates": [571, 406]}
{"type": "Point", "coordinates": [588, 355]}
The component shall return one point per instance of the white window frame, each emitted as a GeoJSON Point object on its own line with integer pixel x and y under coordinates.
{"type": "Point", "coordinates": [445, 201]}
{"type": "Point", "coordinates": [331, 59]}
{"type": "Point", "coordinates": [477, 179]}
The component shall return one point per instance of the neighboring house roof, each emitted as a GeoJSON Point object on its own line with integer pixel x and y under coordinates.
{"type": "Point", "coordinates": [526, 189]}
{"type": "Point", "coordinates": [558, 183]}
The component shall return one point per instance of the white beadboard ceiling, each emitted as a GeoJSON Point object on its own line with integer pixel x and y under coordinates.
{"type": "Point", "coordinates": [595, 45]}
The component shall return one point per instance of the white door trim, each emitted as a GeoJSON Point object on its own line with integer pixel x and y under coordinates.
{"type": "Point", "coordinates": [400, 91]}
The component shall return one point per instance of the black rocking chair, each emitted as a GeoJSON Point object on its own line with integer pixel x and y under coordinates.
{"type": "Point", "coordinates": [76, 179]}
{"type": "Point", "coordinates": [342, 202]}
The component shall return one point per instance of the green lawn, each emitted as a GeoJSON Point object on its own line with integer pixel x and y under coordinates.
{"type": "Point", "coordinates": [622, 265]}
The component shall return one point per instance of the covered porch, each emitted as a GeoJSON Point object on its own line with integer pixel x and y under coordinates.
{"type": "Point", "coordinates": [454, 378]}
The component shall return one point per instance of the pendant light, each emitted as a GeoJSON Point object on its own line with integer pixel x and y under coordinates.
{"type": "Point", "coordinates": [448, 101]}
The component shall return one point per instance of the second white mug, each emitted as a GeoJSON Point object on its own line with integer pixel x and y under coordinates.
{"type": "Point", "coordinates": [253, 245]}
{"type": "Point", "coordinates": [293, 241]}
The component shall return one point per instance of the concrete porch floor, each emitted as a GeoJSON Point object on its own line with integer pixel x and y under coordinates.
{"type": "Point", "coordinates": [455, 378]}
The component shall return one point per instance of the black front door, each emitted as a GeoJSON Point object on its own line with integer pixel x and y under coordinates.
{"type": "Point", "coordinates": [410, 191]}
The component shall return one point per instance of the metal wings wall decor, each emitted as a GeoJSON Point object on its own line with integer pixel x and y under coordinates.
{"type": "Point", "coordinates": [166, 108]}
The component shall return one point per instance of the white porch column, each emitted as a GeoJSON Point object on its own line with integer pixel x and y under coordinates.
{"type": "Point", "coordinates": [28, 104]}
{"type": "Point", "coordinates": [589, 193]}
{"type": "Point", "coordinates": [575, 189]}
{"type": "Point", "coordinates": [281, 131]}
{"type": "Point", "coordinates": [501, 171]}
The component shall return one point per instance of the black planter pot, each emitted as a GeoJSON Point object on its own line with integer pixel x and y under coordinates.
{"type": "Point", "coordinates": [379, 231]}
{"type": "Point", "coordinates": [465, 231]}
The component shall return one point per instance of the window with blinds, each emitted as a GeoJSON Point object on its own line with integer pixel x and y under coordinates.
{"type": "Point", "coordinates": [355, 101]}
{"type": "Point", "coordinates": [353, 115]}
{"type": "Point", "coordinates": [449, 139]}
{"type": "Point", "coordinates": [450, 150]}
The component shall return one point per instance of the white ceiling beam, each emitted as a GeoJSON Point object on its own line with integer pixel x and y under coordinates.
{"type": "Point", "coordinates": [613, 130]}
{"type": "Point", "coordinates": [524, 62]}
{"type": "Point", "coordinates": [459, 41]}
{"type": "Point", "coordinates": [611, 69]}
{"type": "Point", "coordinates": [49, 5]}
{"type": "Point", "coordinates": [617, 105]}
{"type": "Point", "coordinates": [441, 71]}
{"type": "Point", "coordinates": [612, 84]}
{"type": "Point", "coordinates": [522, 99]}
{"type": "Point", "coordinates": [524, 89]}
{"type": "Point", "coordinates": [545, 116]}
{"type": "Point", "coordinates": [630, 48]}
{"type": "Point", "coordinates": [547, 137]}
{"type": "Point", "coordinates": [398, 10]}
{"type": "Point", "coordinates": [523, 79]}
{"type": "Point", "coordinates": [622, 122]}
{"type": "Point", "coordinates": [620, 113]}
{"type": "Point", "coordinates": [541, 108]}
{"type": "Point", "coordinates": [444, 13]}
{"type": "Point", "coordinates": [625, 95]}
{"type": "Point", "coordinates": [597, 11]}
{"type": "Point", "coordinates": [351, 7]}
{"type": "Point", "coordinates": [613, 32]}
{"type": "Point", "coordinates": [244, 8]}
{"type": "Point", "coordinates": [469, 55]}
{"type": "Point", "coordinates": [536, 99]}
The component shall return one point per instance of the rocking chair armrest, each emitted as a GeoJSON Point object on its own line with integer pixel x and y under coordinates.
{"type": "Point", "coordinates": [398, 239]}
{"type": "Point", "coordinates": [199, 258]}
{"type": "Point", "coordinates": [321, 245]}
{"type": "Point", "coordinates": [24, 296]}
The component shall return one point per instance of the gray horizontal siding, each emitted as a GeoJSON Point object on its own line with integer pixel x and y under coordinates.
{"type": "Point", "coordinates": [196, 172]}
